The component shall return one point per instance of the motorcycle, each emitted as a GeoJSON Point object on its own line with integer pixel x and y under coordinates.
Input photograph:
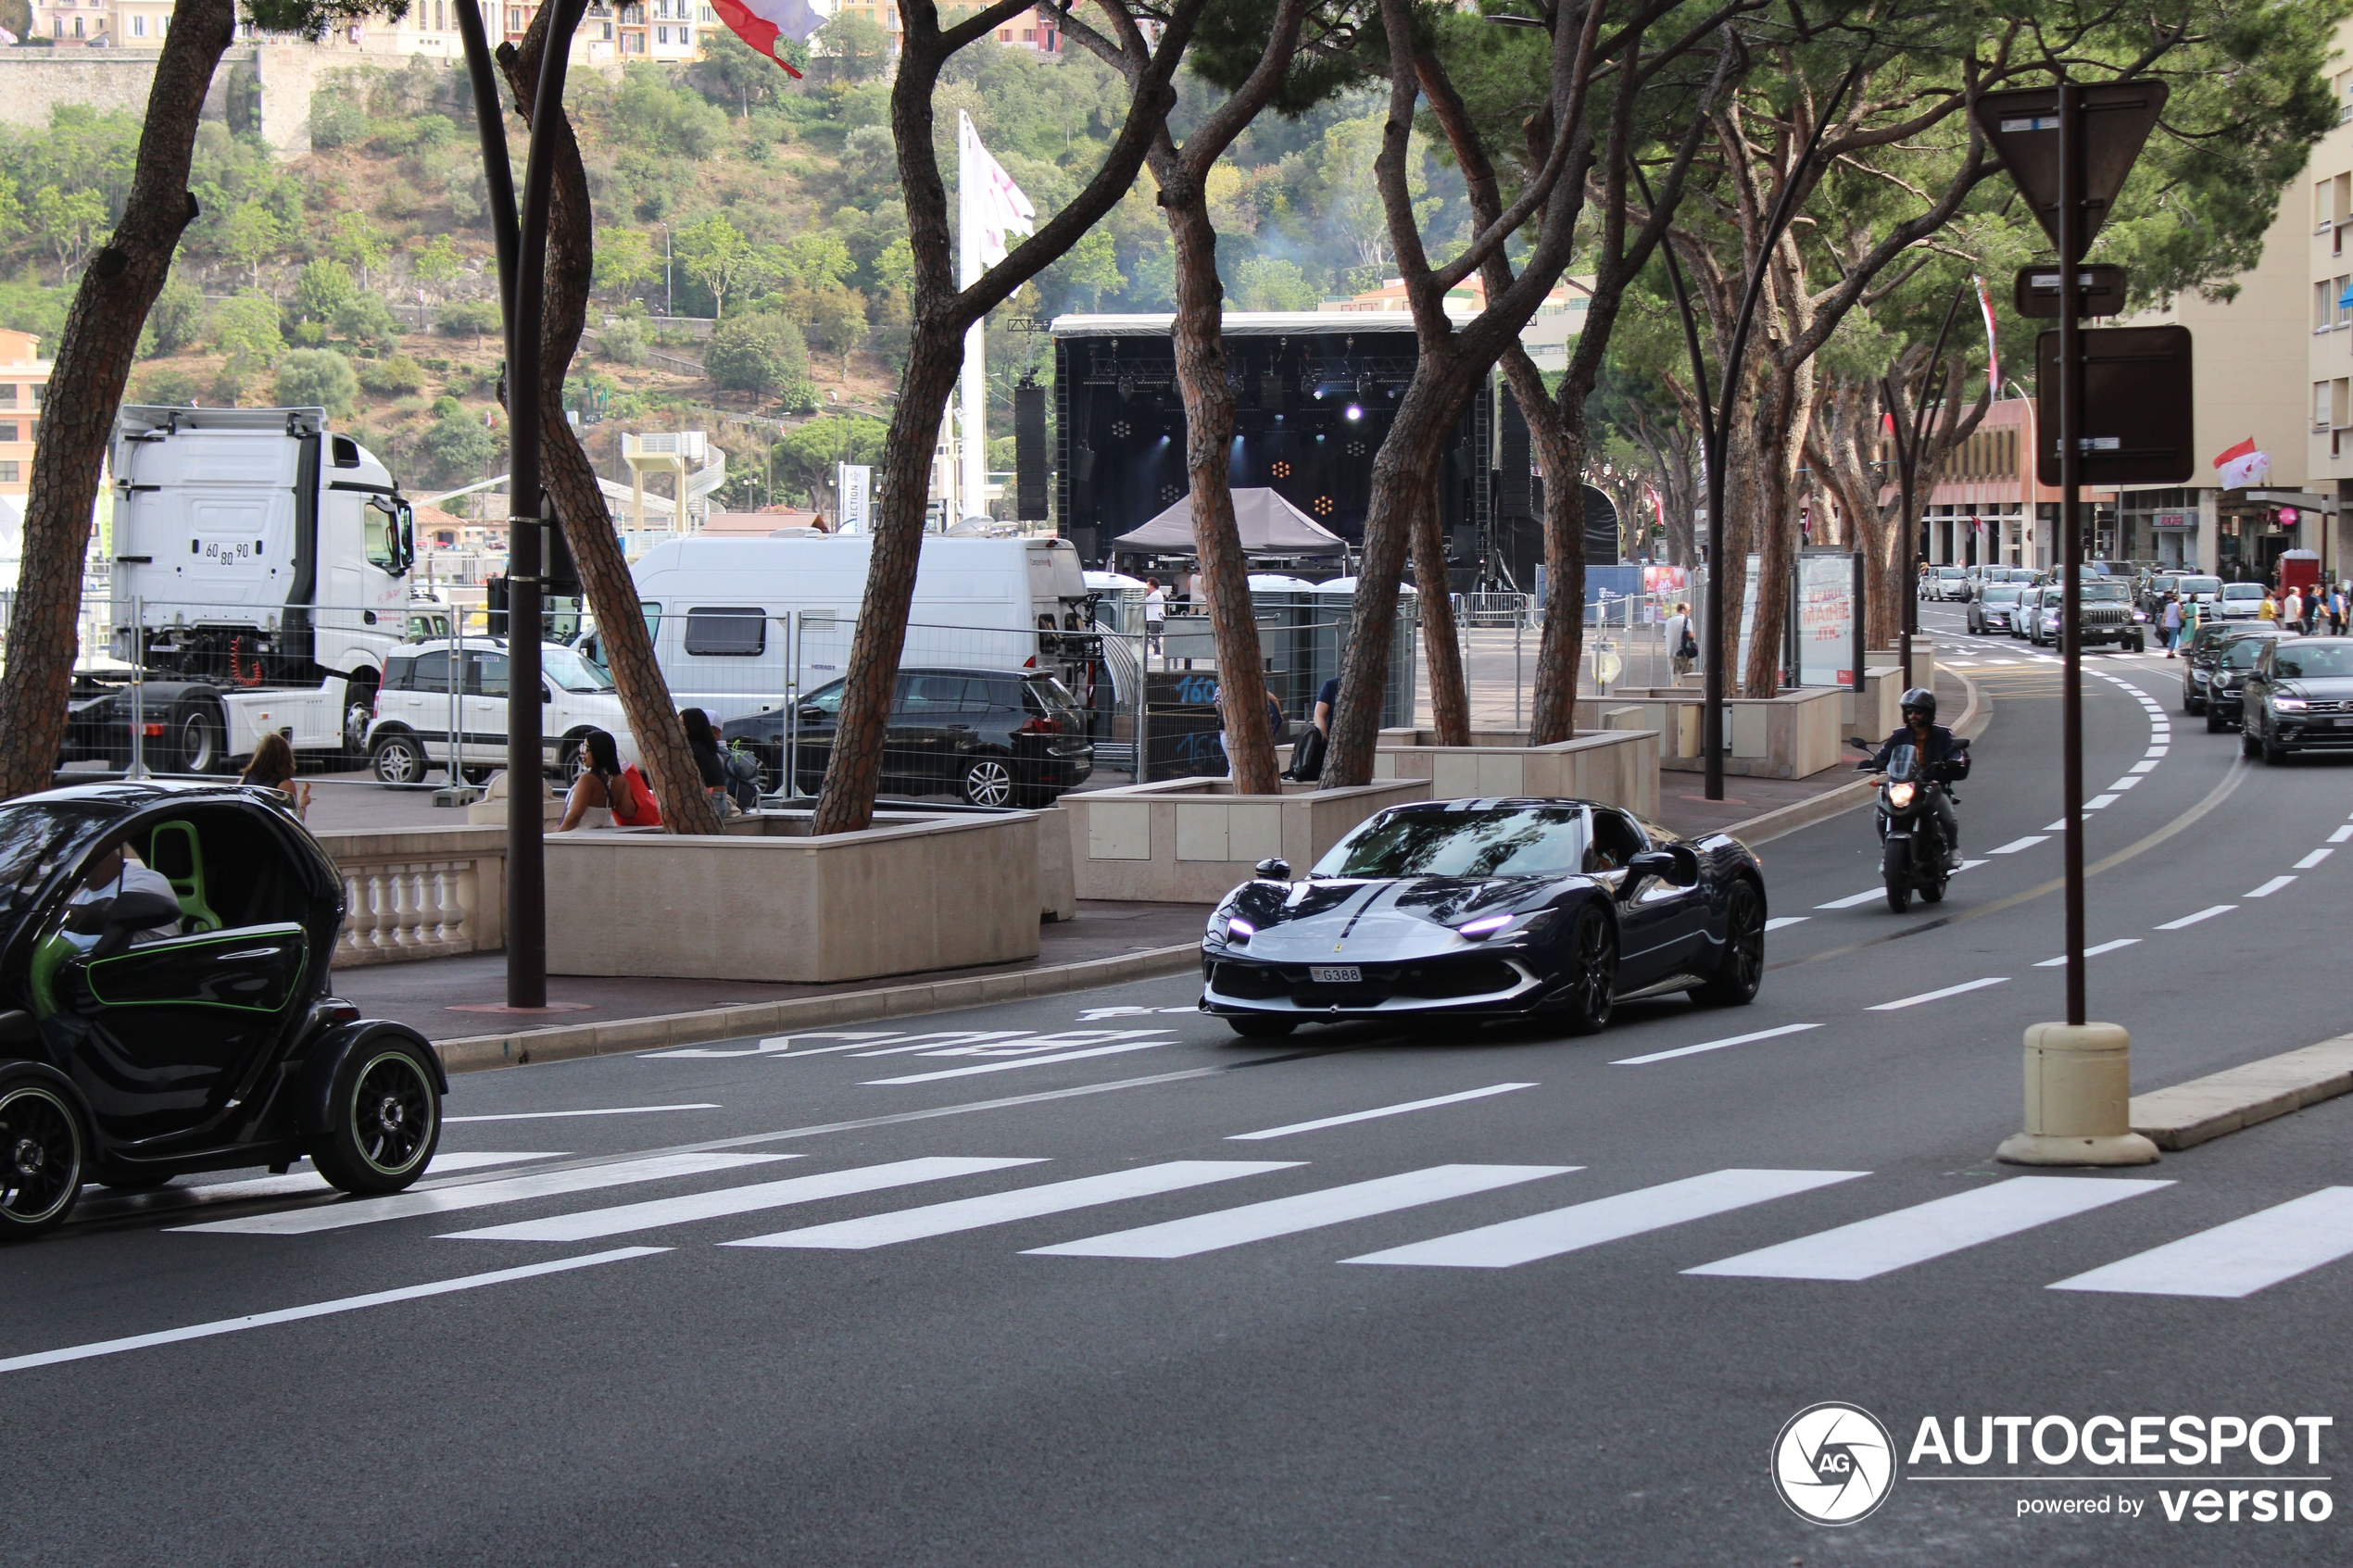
{"type": "Point", "coordinates": [1912, 844]}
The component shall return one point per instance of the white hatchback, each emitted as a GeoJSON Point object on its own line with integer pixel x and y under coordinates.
{"type": "Point", "coordinates": [434, 691]}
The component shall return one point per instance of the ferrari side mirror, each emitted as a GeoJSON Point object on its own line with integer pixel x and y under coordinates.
{"type": "Point", "coordinates": [1276, 870]}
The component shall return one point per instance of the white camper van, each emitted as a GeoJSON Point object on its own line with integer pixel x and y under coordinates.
{"type": "Point", "coordinates": [738, 622]}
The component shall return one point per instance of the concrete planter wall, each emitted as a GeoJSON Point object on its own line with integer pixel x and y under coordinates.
{"type": "Point", "coordinates": [1617, 765]}
{"type": "Point", "coordinates": [767, 902]}
{"type": "Point", "coordinates": [1192, 841]}
{"type": "Point", "coordinates": [1790, 736]}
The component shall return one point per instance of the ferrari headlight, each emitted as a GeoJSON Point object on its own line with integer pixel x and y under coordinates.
{"type": "Point", "coordinates": [1899, 795]}
{"type": "Point", "coordinates": [1487, 926]}
{"type": "Point", "coordinates": [1231, 928]}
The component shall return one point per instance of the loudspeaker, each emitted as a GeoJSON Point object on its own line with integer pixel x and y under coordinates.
{"type": "Point", "coordinates": [1270, 393]}
{"type": "Point", "coordinates": [1029, 453]}
{"type": "Point", "coordinates": [1513, 497]}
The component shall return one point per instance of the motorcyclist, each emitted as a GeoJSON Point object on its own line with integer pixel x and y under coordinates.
{"type": "Point", "coordinates": [1944, 757]}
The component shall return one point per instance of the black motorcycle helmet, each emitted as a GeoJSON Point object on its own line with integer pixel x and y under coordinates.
{"type": "Point", "coordinates": [1922, 699]}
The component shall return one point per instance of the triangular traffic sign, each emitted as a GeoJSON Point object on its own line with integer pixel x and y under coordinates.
{"type": "Point", "coordinates": [2023, 127]}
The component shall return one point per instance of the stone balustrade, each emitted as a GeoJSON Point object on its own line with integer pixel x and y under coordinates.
{"type": "Point", "coordinates": [427, 893]}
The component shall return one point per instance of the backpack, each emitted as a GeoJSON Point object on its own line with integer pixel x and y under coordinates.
{"type": "Point", "coordinates": [1307, 756]}
{"type": "Point", "coordinates": [1688, 646]}
{"type": "Point", "coordinates": [643, 811]}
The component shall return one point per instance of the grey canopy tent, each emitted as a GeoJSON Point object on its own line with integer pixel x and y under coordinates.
{"type": "Point", "coordinates": [1269, 526]}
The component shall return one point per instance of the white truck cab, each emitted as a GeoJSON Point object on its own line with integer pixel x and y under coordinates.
{"type": "Point", "coordinates": [259, 576]}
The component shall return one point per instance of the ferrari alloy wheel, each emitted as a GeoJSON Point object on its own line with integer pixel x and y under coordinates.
{"type": "Point", "coordinates": [1258, 1027]}
{"type": "Point", "coordinates": [1593, 991]}
{"type": "Point", "coordinates": [386, 1122]}
{"type": "Point", "coordinates": [40, 1158]}
{"type": "Point", "coordinates": [1741, 969]}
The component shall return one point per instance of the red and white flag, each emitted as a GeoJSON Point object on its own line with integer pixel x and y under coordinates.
{"type": "Point", "coordinates": [764, 24]}
{"type": "Point", "coordinates": [2243, 466]}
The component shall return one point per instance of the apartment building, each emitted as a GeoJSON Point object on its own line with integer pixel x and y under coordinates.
{"type": "Point", "coordinates": [24, 379]}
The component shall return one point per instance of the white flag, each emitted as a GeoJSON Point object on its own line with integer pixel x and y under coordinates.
{"type": "Point", "coordinates": [999, 206]}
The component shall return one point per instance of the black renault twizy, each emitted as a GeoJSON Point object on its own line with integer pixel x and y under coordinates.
{"type": "Point", "coordinates": [146, 1034]}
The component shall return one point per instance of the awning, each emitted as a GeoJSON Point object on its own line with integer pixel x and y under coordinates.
{"type": "Point", "coordinates": [1269, 526]}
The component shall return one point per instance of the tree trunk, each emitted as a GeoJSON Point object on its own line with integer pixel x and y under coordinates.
{"type": "Point", "coordinates": [93, 361]}
{"type": "Point", "coordinates": [1552, 712]}
{"type": "Point", "coordinates": [1776, 528]}
{"type": "Point", "coordinates": [1442, 643]}
{"type": "Point", "coordinates": [571, 478]}
{"type": "Point", "coordinates": [1199, 340]}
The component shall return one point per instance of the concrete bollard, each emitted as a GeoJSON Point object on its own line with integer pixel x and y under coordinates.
{"type": "Point", "coordinates": [2078, 1092]}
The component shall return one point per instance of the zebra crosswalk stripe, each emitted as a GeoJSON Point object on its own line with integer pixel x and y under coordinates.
{"type": "Point", "coordinates": [1308, 1210]}
{"type": "Point", "coordinates": [1022, 1203]}
{"type": "Point", "coordinates": [1606, 1219]}
{"type": "Point", "coordinates": [2237, 1258]}
{"type": "Point", "coordinates": [1887, 1242]}
{"type": "Point", "coordinates": [722, 1202]}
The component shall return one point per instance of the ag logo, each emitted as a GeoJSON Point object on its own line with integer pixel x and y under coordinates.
{"type": "Point", "coordinates": [1833, 1463]}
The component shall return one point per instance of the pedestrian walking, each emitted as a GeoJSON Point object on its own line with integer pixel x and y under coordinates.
{"type": "Point", "coordinates": [1683, 647]}
{"type": "Point", "coordinates": [2270, 608]}
{"type": "Point", "coordinates": [2292, 611]}
{"type": "Point", "coordinates": [272, 768]}
{"type": "Point", "coordinates": [2336, 610]}
{"type": "Point", "coordinates": [2170, 620]}
{"type": "Point", "coordinates": [1155, 613]}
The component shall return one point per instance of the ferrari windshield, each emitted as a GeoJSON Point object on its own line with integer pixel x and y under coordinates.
{"type": "Point", "coordinates": [1477, 842]}
{"type": "Point", "coordinates": [36, 840]}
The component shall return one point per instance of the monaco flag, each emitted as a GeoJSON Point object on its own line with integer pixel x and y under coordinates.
{"type": "Point", "coordinates": [994, 204]}
{"type": "Point", "coordinates": [763, 23]}
{"type": "Point", "coordinates": [2243, 466]}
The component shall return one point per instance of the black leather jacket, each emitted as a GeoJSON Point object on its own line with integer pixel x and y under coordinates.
{"type": "Point", "coordinates": [1946, 755]}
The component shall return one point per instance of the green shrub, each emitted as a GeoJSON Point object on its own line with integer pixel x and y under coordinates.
{"type": "Point", "coordinates": [763, 353]}
{"type": "Point", "coordinates": [317, 377]}
{"type": "Point", "coordinates": [245, 329]}
{"type": "Point", "coordinates": [168, 387]}
{"type": "Point", "coordinates": [468, 317]}
{"type": "Point", "coordinates": [393, 376]}
{"type": "Point", "coordinates": [623, 342]}
{"type": "Point", "coordinates": [336, 120]}
{"type": "Point", "coordinates": [176, 319]}
{"type": "Point", "coordinates": [365, 319]}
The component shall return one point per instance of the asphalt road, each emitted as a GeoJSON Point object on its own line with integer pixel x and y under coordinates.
{"type": "Point", "coordinates": [1049, 1284]}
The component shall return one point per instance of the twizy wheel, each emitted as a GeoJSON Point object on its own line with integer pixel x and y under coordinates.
{"type": "Point", "coordinates": [40, 1157]}
{"type": "Point", "coordinates": [1741, 970]}
{"type": "Point", "coordinates": [1593, 992]}
{"type": "Point", "coordinates": [384, 1120]}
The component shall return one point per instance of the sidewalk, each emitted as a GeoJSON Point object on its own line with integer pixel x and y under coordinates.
{"type": "Point", "coordinates": [451, 998]}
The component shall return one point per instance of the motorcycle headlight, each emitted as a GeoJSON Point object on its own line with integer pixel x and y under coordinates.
{"type": "Point", "coordinates": [1899, 795]}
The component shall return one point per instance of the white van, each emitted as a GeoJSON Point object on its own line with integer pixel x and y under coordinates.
{"type": "Point", "coordinates": [737, 622]}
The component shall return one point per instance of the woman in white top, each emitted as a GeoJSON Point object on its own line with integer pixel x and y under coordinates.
{"type": "Point", "coordinates": [600, 786]}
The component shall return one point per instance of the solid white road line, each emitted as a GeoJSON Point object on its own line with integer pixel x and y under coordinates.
{"type": "Point", "coordinates": [1007, 1065]}
{"type": "Point", "coordinates": [1713, 1045]}
{"type": "Point", "coordinates": [1938, 996]}
{"type": "Point", "coordinates": [2207, 913]}
{"type": "Point", "coordinates": [588, 1225]}
{"type": "Point", "coordinates": [299, 1183]}
{"type": "Point", "coordinates": [1606, 1219]}
{"type": "Point", "coordinates": [2314, 859]}
{"type": "Point", "coordinates": [1848, 903]}
{"type": "Point", "coordinates": [2015, 845]}
{"type": "Point", "coordinates": [1027, 1203]}
{"type": "Point", "coordinates": [2341, 834]}
{"type": "Point", "coordinates": [320, 1309]}
{"type": "Point", "coordinates": [552, 1115]}
{"type": "Point", "coordinates": [1886, 1242]}
{"type": "Point", "coordinates": [2237, 1258]}
{"type": "Point", "coordinates": [1384, 1111]}
{"type": "Point", "coordinates": [1306, 1211]}
{"type": "Point", "coordinates": [1780, 921]}
{"type": "Point", "coordinates": [478, 1195]}
{"type": "Point", "coordinates": [2268, 888]}
{"type": "Point", "coordinates": [2061, 962]}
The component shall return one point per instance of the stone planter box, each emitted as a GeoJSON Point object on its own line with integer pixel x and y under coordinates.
{"type": "Point", "coordinates": [765, 901]}
{"type": "Point", "coordinates": [1192, 841]}
{"type": "Point", "coordinates": [1616, 765]}
{"type": "Point", "coordinates": [1790, 736]}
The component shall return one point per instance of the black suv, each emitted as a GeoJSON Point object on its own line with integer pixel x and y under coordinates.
{"type": "Point", "coordinates": [2298, 696]}
{"type": "Point", "coordinates": [2226, 677]}
{"type": "Point", "coordinates": [2203, 653]}
{"type": "Point", "coordinates": [998, 737]}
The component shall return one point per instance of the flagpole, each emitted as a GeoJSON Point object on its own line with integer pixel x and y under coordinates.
{"type": "Point", "coordinates": [974, 425]}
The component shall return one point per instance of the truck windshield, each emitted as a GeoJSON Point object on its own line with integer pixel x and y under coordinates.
{"type": "Point", "coordinates": [574, 673]}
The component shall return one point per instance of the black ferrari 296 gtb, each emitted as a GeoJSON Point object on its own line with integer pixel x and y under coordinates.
{"type": "Point", "coordinates": [1488, 908]}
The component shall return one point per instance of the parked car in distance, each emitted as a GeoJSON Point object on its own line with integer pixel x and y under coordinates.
{"type": "Point", "coordinates": [996, 737]}
{"type": "Point", "coordinates": [416, 710]}
{"type": "Point", "coordinates": [1950, 582]}
{"type": "Point", "coordinates": [2298, 697]}
{"type": "Point", "coordinates": [1995, 607]}
{"type": "Point", "coordinates": [2226, 680]}
{"type": "Point", "coordinates": [2105, 615]}
{"type": "Point", "coordinates": [2241, 601]}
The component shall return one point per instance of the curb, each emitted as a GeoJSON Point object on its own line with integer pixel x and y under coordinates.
{"type": "Point", "coordinates": [475, 1053]}
{"type": "Point", "coordinates": [1764, 828]}
{"type": "Point", "coordinates": [2204, 1109]}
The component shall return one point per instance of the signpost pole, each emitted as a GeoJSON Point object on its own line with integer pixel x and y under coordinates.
{"type": "Point", "coordinates": [2070, 432]}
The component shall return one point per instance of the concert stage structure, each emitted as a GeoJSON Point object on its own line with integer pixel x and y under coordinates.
{"type": "Point", "coordinates": [1315, 392]}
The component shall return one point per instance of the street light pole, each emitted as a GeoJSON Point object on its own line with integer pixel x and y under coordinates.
{"type": "Point", "coordinates": [2070, 334]}
{"type": "Point", "coordinates": [665, 271]}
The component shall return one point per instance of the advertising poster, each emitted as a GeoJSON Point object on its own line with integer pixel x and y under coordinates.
{"type": "Point", "coordinates": [1826, 621]}
{"type": "Point", "coordinates": [856, 488]}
